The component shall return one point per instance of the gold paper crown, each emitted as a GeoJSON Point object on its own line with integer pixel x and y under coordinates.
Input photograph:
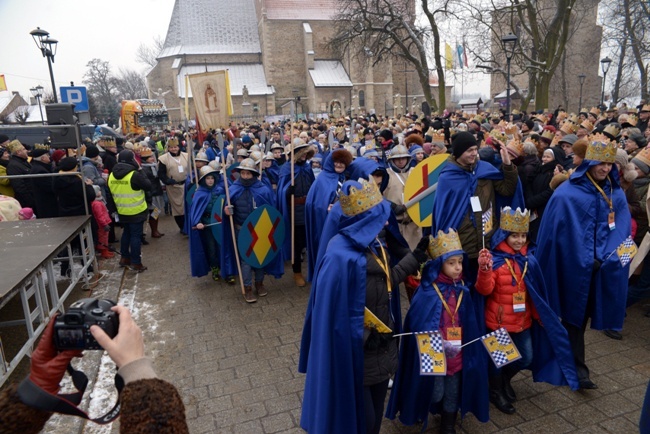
{"type": "Point", "coordinates": [587, 125]}
{"type": "Point", "coordinates": [514, 220]}
{"type": "Point", "coordinates": [515, 147]}
{"type": "Point", "coordinates": [594, 111]}
{"type": "Point", "coordinates": [444, 243]}
{"type": "Point", "coordinates": [512, 129]}
{"type": "Point", "coordinates": [569, 127]}
{"type": "Point", "coordinates": [548, 134]}
{"type": "Point", "coordinates": [561, 116]}
{"type": "Point", "coordinates": [584, 110]}
{"type": "Point", "coordinates": [14, 146]}
{"type": "Point", "coordinates": [39, 146]}
{"type": "Point", "coordinates": [645, 108]}
{"type": "Point", "coordinates": [601, 148]}
{"type": "Point", "coordinates": [612, 129]}
{"type": "Point", "coordinates": [643, 156]}
{"type": "Point", "coordinates": [632, 120]}
{"type": "Point", "coordinates": [438, 138]}
{"type": "Point", "coordinates": [499, 135]}
{"type": "Point", "coordinates": [172, 142]}
{"type": "Point", "coordinates": [358, 201]}
{"type": "Point", "coordinates": [574, 119]}
{"type": "Point", "coordinates": [543, 119]}
{"type": "Point", "coordinates": [632, 110]}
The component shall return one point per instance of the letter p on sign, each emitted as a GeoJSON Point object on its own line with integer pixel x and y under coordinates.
{"type": "Point", "coordinates": [75, 95]}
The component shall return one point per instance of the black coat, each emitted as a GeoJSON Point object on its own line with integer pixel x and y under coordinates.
{"type": "Point", "coordinates": [44, 195]}
{"type": "Point", "coordinates": [70, 194]}
{"type": "Point", "coordinates": [22, 187]}
{"type": "Point", "coordinates": [109, 159]}
{"type": "Point", "coordinates": [538, 193]}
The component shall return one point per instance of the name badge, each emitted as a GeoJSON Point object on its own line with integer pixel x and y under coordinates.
{"type": "Point", "coordinates": [455, 335]}
{"type": "Point", "coordinates": [519, 302]}
{"type": "Point", "coordinates": [180, 169]}
{"type": "Point", "coordinates": [476, 204]}
{"type": "Point", "coordinates": [611, 221]}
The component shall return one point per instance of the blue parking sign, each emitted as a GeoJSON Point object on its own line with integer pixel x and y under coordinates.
{"type": "Point", "coordinates": [75, 95]}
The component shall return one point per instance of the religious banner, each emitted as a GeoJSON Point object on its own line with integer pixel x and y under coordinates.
{"type": "Point", "coordinates": [500, 347]}
{"type": "Point", "coordinates": [216, 217]}
{"type": "Point", "coordinates": [432, 353]}
{"type": "Point", "coordinates": [261, 236]}
{"type": "Point", "coordinates": [420, 189]}
{"type": "Point", "coordinates": [211, 96]}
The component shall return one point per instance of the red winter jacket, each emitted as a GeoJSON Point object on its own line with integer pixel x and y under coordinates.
{"type": "Point", "coordinates": [100, 212]}
{"type": "Point", "coordinates": [498, 286]}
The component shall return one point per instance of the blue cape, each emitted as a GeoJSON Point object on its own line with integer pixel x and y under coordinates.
{"type": "Point", "coordinates": [322, 194]}
{"type": "Point", "coordinates": [553, 361]}
{"type": "Point", "coordinates": [574, 231]}
{"type": "Point", "coordinates": [273, 172]}
{"type": "Point", "coordinates": [331, 350]}
{"type": "Point", "coordinates": [412, 393]}
{"type": "Point", "coordinates": [263, 195]}
{"type": "Point", "coordinates": [198, 261]}
{"type": "Point", "coordinates": [284, 204]}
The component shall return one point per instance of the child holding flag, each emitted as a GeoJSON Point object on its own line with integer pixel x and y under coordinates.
{"type": "Point", "coordinates": [511, 279]}
{"type": "Point", "coordinates": [442, 302]}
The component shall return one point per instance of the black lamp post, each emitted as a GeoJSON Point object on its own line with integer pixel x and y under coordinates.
{"type": "Point", "coordinates": [37, 92]}
{"type": "Point", "coordinates": [604, 64]}
{"type": "Point", "coordinates": [509, 45]}
{"type": "Point", "coordinates": [47, 46]}
{"type": "Point", "coordinates": [581, 79]}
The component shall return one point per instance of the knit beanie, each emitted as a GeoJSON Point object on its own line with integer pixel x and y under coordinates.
{"type": "Point", "coordinates": [67, 164]}
{"type": "Point", "coordinates": [461, 142]}
{"type": "Point", "coordinates": [127, 156]}
{"type": "Point", "coordinates": [386, 134]}
{"type": "Point", "coordinates": [92, 151]}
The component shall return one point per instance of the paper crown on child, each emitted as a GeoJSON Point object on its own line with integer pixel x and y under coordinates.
{"type": "Point", "coordinates": [360, 200]}
{"type": "Point", "coordinates": [444, 243]}
{"type": "Point", "coordinates": [514, 220]}
{"type": "Point", "coordinates": [601, 148]}
{"type": "Point", "coordinates": [612, 131]}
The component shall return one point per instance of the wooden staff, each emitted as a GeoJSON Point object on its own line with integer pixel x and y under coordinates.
{"type": "Point", "coordinates": [191, 162]}
{"type": "Point", "coordinates": [293, 195]}
{"type": "Point", "coordinates": [232, 219]}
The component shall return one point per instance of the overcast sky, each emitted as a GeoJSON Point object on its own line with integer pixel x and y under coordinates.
{"type": "Point", "coordinates": [109, 30]}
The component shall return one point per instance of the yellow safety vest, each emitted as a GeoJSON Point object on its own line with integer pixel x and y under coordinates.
{"type": "Point", "coordinates": [127, 200]}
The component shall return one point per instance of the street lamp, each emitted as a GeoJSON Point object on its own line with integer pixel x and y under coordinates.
{"type": "Point", "coordinates": [47, 46]}
{"type": "Point", "coordinates": [581, 79]}
{"type": "Point", "coordinates": [604, 64]}
{"type": "Point", "coordinates": [37, 92]}
{"type": "Point", "coordinates": [509, 45]}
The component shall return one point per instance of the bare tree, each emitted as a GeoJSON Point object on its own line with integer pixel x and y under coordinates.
{"type": "Point", "coordinates": [102, 86]}
{"type": "Point", "coordinates": [21, 114]}
{"type": "Point", "coordinates": [131, 84]}
{"type": "Point", "coordinates": [387, 29]}
{"type": "Point", "coordinates": [148, 54]}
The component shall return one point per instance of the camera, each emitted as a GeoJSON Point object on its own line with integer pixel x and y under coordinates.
{"type": "Point", "coordinates": [72, 329]}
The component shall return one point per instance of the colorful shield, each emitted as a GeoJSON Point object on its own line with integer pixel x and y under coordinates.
{"type": "Point", "coordinates": [261, 236]}
{"type": "Point", "coordinates": [189, 196]}
{"type": "Point", "coordinates": [216, 217]}
{"type": "Point", "coordinates": [419, 189]}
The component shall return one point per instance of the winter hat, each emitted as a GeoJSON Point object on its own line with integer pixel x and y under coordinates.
{"type": "Point", "coordinates": [342, 156]}
{"type": "Point", "coordinates": [627, 169]}
{"type": "Point", "coordinates": [92, 151]}
{"type": "Point", "coordinates": [639, 139]}
{"type": "Point", "coordinates": [67, 164]}
{"type": "Point", "coordinates": [58, 155]}
{"type": "Point", "coordinates": [26, 214]}
{"type": "Point", "coordinates": [530, 124]}
{"type": "Point", "coordinates": [461, 142]}
{"type": "Point", "coordinates": [128, 157]}
{"type": "Point", "coordinates": [386, 134]}
{"type": "Point", "coordinates": [415, 149]}
{"type": "Point", "coordinates": [413, 139]}
{"type": "Point", "coordinates": [39, 152]}
{"type": "Point", "coordinates": [4, 138]}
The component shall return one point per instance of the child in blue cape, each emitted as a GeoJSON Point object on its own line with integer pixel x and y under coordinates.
{"type": "Point", "coordinates": [204, 251]}
{"type": "Point", "coordinates": [442, 302]}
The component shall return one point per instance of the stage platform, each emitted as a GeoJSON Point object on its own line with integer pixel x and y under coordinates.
{"type": "Point", "coordinates": [28, 251]}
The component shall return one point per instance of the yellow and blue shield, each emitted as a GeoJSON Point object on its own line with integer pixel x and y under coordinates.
{"type": "Point", "coordinates": [261, 236]}
{"type": "Point", "coordinates": [420, 189]}
{"type": "Point", "coordinates": [216, 217]}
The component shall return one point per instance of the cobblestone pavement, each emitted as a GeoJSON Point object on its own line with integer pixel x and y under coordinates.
{"type": "Point", "coordinates": [235, 364]}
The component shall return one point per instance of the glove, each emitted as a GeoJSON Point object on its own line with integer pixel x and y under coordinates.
{"type": "Point", "coordinates": [399, 209]}
{"type": "Point", "coordinates": [107, 228]}
{"type": "Point", "coordinates": [484, 260]}
{"type": "Point", "coordinates": [420, 251]}
{"type": "Point", "coordinates": [49, 366]}
{"type": "Point", "coordinates": [451, 350]}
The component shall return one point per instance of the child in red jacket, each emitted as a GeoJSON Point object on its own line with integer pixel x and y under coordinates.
{"type": "Point", "coordinates": [507, 302]}
{"type": "Point", "coordinates": [103, 219]}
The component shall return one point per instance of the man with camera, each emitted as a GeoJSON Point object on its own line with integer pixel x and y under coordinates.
{"type": "Point", "coordinates": [148, 404]}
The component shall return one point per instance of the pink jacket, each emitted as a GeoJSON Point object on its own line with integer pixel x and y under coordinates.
{"type": "Point", "coordinates": [100, 212]}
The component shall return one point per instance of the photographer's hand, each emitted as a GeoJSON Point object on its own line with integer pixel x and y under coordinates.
{"type": "Point", "coordinates": [128, 345]}
{"type": "Point", "coordinates": [48, 365]}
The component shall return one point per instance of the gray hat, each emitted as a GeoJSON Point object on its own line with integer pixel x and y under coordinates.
{"type": "Point", "coordinates": [569, 138]}
{"type": "Point", "coordinates": [487, 127]}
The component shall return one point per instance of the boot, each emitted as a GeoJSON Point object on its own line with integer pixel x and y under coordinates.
{"type": "Point", "coordinates": [138, 268]}
{"type": "Point", "coordinates": [261, 290]}
{"type": "Point", "coordinates": [216, 274]}
{"type": "Point", "coordinates": [144, 241]}
{"type": "Point", "coordinates": [180, 221]}
{"type": "Point", "coordinates": [125, 262]}
{"type": "Point", "coordinates": [300, 281]}
{"type": "Point", "coordinates": [107, 254]}
{"type": "Point", "coordinates": [508, 391]}
{"type": "Point", "coordinates": [153, 224]}
{"type": "Point", "coordinates": [448, 423]}
{"type": "Point", "coordinates": [497, 397]}
{"type": "Point", "coordinates": [248, 294]}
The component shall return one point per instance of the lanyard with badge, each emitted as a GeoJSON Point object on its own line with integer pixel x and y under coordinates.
{"type": "Point", "coordinates": [386, 269]}
{"type": "Point", "coordinates": [519, 297]}
{"type": "Point", "coordinates": [454, 333]}
{"type": "Point", "coordinates": [611, 221]}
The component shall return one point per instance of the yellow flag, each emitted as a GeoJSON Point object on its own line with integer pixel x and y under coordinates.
{"type": "Point", "coordinates": [3, 83]}
{"type": "Point", "coordinates": [371, 321]}
{"type": "Point", "coordinates": [432, 353]}
{"type": "Point", "coordinates": [449, 59]}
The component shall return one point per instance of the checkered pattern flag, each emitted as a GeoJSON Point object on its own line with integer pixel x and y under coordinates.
{"type": "Point", "coordinates": [626, 251]}
{"type": "Point", "coordinates": [487, 221]}
{"type": "Point", "coordinates": [432, 353]}
{"type": "Point", "coordinates": [500, 347]}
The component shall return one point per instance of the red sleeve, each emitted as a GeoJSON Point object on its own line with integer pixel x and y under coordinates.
{"type": "Point", "coordinates": [485, 282]}
{"type": "Point", "coordinates": [101, 213]}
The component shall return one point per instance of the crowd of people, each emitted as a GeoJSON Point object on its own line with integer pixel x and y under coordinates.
{"type": "Point", "coordinates": [535, 222]}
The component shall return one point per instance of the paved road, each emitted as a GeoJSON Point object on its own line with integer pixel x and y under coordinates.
{"type": "Point", "coordinates": [235, 364]}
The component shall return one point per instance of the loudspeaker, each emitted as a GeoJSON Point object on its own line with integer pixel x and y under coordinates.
{"type": "Point", "coordinates": [62, 114]}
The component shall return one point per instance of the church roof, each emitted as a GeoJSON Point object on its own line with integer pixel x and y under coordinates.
{"type": "Point", "coordinates": [329, 73]}
{"type": "Point", "coordinates": [251, 75]}
{"type": "Point", "coordinates": [301, 9]}
{"type": "Point", "coordinates": [212, 27]}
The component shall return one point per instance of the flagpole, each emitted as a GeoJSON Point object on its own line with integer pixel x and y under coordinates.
{"type": "Point", "coordinates": [293, 195]}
